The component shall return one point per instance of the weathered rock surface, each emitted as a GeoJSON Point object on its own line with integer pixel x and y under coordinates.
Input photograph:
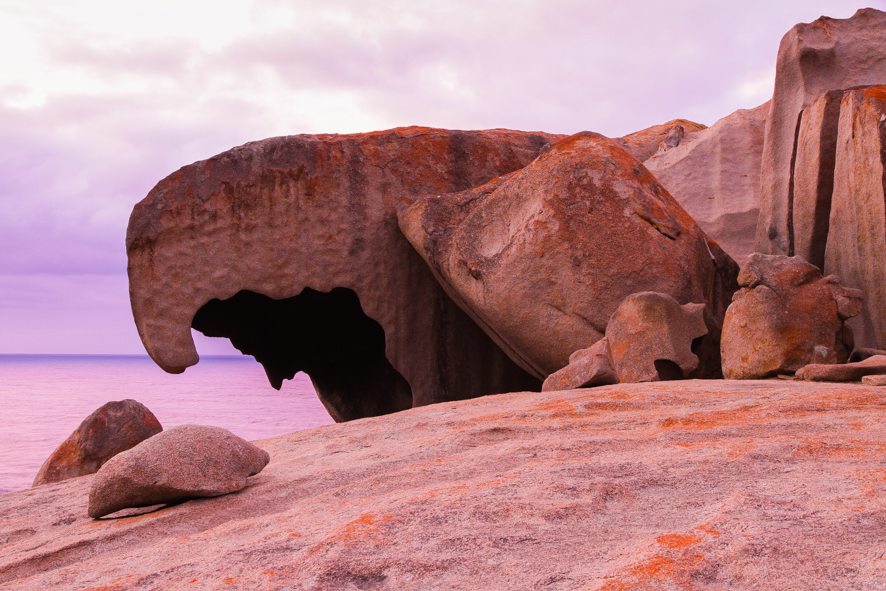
{"type": "Point", "coordinates": [181, 463]}
{"type": "Point", "coordinates": [290, 247]}
{"type": "Point", "coordinates": [856, 239]}
{"type": "Point", "coordinates": [540, 257]}
{"type": "Point", "coordinates": [586, 368]}
{"type": "Point", "coordinates": [786, 315]}
{"type": "Point", "coordinates": [660, 138]}
{"type": "Point", "coordinates": [874, 380]}
{"type": "Point", "coordinates": [704, 485]}
{"type": "Point", "coordinates": [846, 372]}
{"type": "Point", "coordinates": [813, 58]}
{"type": "Point", "coordinates": [715, 175]}
{"type": "Point", "coordinates": [651, 336]}
{"type": "Point", "coordinates": [112, 428]}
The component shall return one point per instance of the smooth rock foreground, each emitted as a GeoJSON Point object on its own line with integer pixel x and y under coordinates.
{"type": "Point", "coordinates": [702, 485]}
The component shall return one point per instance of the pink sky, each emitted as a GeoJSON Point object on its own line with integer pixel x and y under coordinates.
{"type": "Point", "coordinates": [100, 99]}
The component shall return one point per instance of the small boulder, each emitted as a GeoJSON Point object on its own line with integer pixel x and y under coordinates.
{"type": "Point", "coordinates": [847, 372]}
{"type": "Point", "coordinates": [874, 380]}
{"type": "Point", "coordinates": [651, 337]}
{"type": "Point", "coordinates": [784, 316]}
{"type": "Point", "coordinates": [112, 428]}
{"type": "Point", "coordinates": [184, 462]}
{"type": "Point", "coordinates": [587, 368]}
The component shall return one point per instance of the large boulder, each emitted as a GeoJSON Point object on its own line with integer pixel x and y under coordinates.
{"type": "Point", "coordinates": [856, 240]}
{"type": "Point", "coordinates": [542, 257]}
{"type": "Point", "coordinates": [786, 315]}
{"type": "Point", "coordinates": [112, 428]}
{"type": "Point", "coordinates": [715, 175]}
{"type": "Point", "coordinates": [813, 58]}
{"type": "Point", "coordinates": [290, 247]}
{"type": "Point", "coordinates": [184, 462]}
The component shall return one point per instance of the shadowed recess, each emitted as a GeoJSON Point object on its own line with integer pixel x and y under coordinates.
{"type": "Point", "coordinates": [325, 335]}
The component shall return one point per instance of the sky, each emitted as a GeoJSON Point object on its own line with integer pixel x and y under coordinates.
{"type": "Point", "coordinates": [101, 99]}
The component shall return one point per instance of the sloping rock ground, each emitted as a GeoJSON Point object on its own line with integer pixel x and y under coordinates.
{"type": "Point", "coordinates": [691, 485]}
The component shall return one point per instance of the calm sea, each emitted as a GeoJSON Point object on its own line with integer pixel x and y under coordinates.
{"type": "Point", "coordinates": [44, 398]}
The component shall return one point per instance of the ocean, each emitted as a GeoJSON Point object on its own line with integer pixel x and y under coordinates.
{"type": "Point", "coordinates": [44, 397]}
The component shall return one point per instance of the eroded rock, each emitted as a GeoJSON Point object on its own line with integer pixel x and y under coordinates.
{"type": "Point", "coordinates": [845, 372]}
{"type": "Point", "coordinates": [660, 138]}
{"type": "Point", "coordinates": [715, 175]}
{"type": "Point", "coordinates": [586, 368]}
{"type": "Point", "coordinates": [651, 338]}
{"type": "Point", "coordinates": [181, 463]}
{"type": "Point", "coordinates": [290, 247]}
{"type": "Point", "coordinates": [784, 316]}
{"type": "Point", "coordinates": [112, 428]}
{"type": "Point", "coordinates": [542, 257]}
{"type": "Point", "coordinates": [813, 58]}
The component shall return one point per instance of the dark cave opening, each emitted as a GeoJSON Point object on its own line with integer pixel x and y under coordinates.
{"type": "Point", "coordinates": [324, 334]}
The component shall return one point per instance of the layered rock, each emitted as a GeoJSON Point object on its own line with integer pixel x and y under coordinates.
{"type": "Point", "coordinates": [846, 372]}
{"type": "Point", "coordinates": [856, 238]}
{"type": "Point", "coordinates": [702, 485]}
{"type": "Point", "coordinates": [290, 248]}
{"type": "Point", "coordinates": [184, 462]}
{"type": "Point", "coordinates": [542, 257]}
{"type": "Point", "coordinates": [660, 138]}
{"type": "Point", "coordinates": [813, 59]}
{"type": "Point", "coordinates": [112, 428]}
{"type": "Point", "coordinates": [715, 175]}
{"type": "Point", "coordinates": [784, 316]}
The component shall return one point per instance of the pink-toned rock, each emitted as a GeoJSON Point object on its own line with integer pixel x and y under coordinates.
{"type": "Point", "coordinates": [542, 257]}
{"type": "Point", "coordinates": [587, 368]}
{"type": "Point", "coordinates": [181, 463]}
{"type": "Point", "coordinates": [856, 240]}
{"type": "Point", "coordinates": [702, 485]}
{"type": "Point", "coordinates": [846, 372]}
{"type": "Point", "coordinates": [813, 58]}
{"type": "Point", "coordinates": [651, 337]}
{"type": "Point", "coordinates": [715, 175]}
{"type": "Point", "coordinates": [290, 247]}
{"type": "Point", "coordinates": [112, 428]}
{"type": "Point", "coordinates": [660, 138]}
{"type": "Point", "coordinates": [786, 315]}
{"type": "Point", "coordinates": [874, 380]}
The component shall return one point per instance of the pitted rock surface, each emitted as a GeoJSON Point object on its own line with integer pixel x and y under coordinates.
{"type": "Point", "coordinates": [181, 463]}
{"type": "Point", "coordinates": [112, 428]}
{"type": "Point", "coordinates": [541, 257]}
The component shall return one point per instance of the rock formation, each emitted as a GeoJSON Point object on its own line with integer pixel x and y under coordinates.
{"type": "Point", "coordinates": [706, 485]}
{"type": "Point", "coordinates": [651, 337]}
{"type": "Point", "coordinates": [856, 238]}
{"type": "Point", "coordinates": [112, 428]}
{"type": "Point", "coordinates": [181, 463]}
{"type": "Point", "coordinates": [784, 316]}
{"type": "Point", "coordinates": [715, 175]}
{"type": "Point", "coordinates": [541, 258]}
{"type": "Point", "coordinates": [813, 58]}
{"type": "Point", "coordinates": [660, 138]}
{"type": "Point", "coordinates": [874, 380]}
{"type": "Point", "coordinates": [846, 372]}
{"type": "Point", "coordinates": [586, 368]}
{"type": "Point", "coordinates": [290, 248]}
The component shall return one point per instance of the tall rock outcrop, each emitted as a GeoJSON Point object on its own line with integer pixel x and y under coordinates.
{"type": "Point", "coordinates": [715, 175]}
{"type": "Point", "coordinates": [856, 240]}
{"type": "Point", "coordinates": [542, 257]}
{"type": "Point", "coordinates": [813, 58]}
{"type": "Point", "coordinates": [290, 247]}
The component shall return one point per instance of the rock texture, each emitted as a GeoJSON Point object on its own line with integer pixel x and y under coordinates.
{"type": "Point", "coordinates": [847, 372]}
{"type": "Point", "coordinates": [538, 257]}
{"type": "Point", "coordinates": [112, 428]}
{"type": "Point", "coordinates": [660, 138]}
{"type": "Point", "coordinates": [856, 239]}
{"type": "Point", "coordinates": [651, 337]}
{"type": "Point", "coordinates": [813, 58]}
{"type": "Point", "coordinates": [290, 247]}
{"type": "Point", "coordinates": [786, 315]}
{"type": "Point", "coordinates": [586, 368]}
{"type": "Point", "coordinates": [699, 485]}
{"type": "Point", "coordinates": [715, 175]}
{"type": "Point", "coordinates": [184, 462]}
